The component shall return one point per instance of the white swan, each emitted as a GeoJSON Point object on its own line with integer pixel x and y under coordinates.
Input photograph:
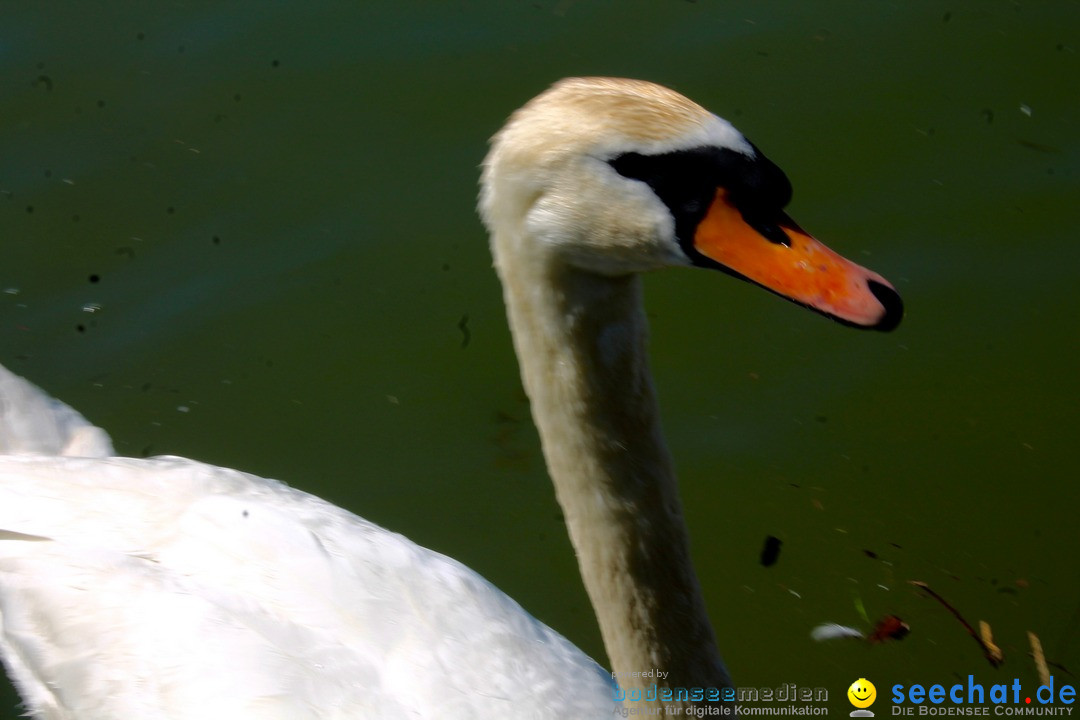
{"type": "Point", "coordinates": [166, 588]}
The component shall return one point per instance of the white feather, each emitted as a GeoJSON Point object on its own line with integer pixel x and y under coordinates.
{"type": "Point", "coordinates": [832, 631]}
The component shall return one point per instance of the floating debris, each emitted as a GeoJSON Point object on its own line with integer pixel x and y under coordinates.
{"type": "Point", "coordinates": [463, 326]}
{"type": "Point", "coordinates": [770, 552]}
{"type": "Point", "coordinates": [834, 631]}
{"type": "Point", "coordinates": [991, 652]}
{"type": "Point", "coordinates": [1039, 658]}
{"type": "Point", "coordinates": [986, 635]}
{"type": "Point", "coordinates": [888, 628]}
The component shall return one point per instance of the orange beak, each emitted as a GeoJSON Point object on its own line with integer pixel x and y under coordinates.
{"type": "Point", "coordinates": [802, 270]}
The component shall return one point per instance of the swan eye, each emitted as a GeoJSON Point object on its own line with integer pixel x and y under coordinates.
{"type": "Point", "coordinates": [687, 180]}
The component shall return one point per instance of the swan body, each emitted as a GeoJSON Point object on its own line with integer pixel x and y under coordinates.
{"type": "Point", "coordinates": [224, 595]}
{"type": "Point", "coordinates": [167, 588]}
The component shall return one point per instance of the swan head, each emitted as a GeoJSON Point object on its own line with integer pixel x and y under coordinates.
{"type": "Point", "coordinates": [614, 176]}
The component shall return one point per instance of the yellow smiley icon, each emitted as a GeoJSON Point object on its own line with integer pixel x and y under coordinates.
{"type": "Point", "coordinates": [862, 693]}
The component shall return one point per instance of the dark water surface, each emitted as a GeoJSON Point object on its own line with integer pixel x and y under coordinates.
{"type": "Point", "coordinates": [245, 233]}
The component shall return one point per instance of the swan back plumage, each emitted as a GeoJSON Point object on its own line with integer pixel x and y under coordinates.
{"type": "Point", "coordinates": [33, 422]}
{"type": "Point", "coordinates": [168, 588]}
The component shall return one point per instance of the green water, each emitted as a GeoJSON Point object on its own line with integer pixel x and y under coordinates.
{"type": "Point", "coordinates": [269, 209]}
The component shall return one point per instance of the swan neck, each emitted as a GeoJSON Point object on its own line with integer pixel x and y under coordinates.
{"type": "Point", "coordinates": [581, 341]}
